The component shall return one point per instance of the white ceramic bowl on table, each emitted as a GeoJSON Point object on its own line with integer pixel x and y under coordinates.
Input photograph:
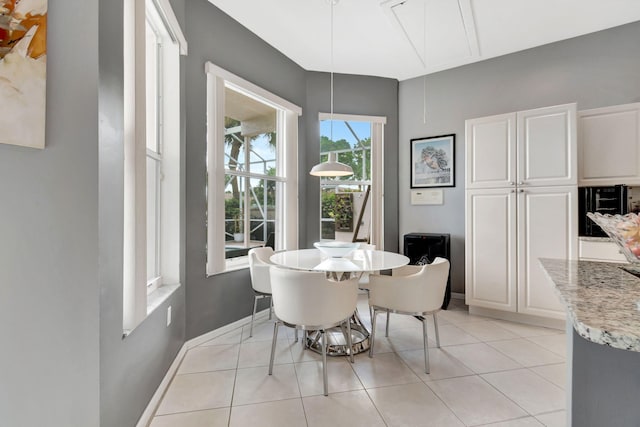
{"type": "Point", "coordinates": [335, 249]}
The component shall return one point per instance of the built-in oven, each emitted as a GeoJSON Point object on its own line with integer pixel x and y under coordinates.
{"type": "Point", "coordinates": [615, 199]}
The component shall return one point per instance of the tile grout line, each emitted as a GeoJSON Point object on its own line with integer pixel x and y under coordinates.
{"type": "Point", "coordinates": [235, 378]}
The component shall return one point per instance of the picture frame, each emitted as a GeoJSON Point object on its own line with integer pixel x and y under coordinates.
{"type": "Point", "coordinates": [433, 161]}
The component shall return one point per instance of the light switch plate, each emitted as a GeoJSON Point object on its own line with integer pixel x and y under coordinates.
{"type": "Point", "coordinates": [427, 197]}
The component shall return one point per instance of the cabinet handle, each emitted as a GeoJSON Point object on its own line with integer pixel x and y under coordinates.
{"type": "Point", "coordinates": [512, 183]}
{"type": "Point", "coordinates": [520, 182]}
{"type": "Point", "coordinates": [520, 190]}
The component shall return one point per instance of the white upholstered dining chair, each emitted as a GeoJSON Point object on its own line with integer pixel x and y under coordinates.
{"type": "Point", "coordinates": [307, 300]}
{"type": "Point", "coordinates": [414, 290]}
{"type": "Point", "coordinates": [260, 281]}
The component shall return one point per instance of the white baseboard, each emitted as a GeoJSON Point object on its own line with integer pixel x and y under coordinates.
{"type": "Point", "coordinates": [518, 317]}
{"type": "Point", "coordinates": [147, 415]}
{"type": "Point", "coordinates": [152, 406]}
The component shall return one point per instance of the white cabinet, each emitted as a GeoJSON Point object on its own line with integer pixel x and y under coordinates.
{"type": "Point", "coordinates": [534, 147]}
{"type": "Point", "coordinates": [491, 249]}
{"type": "Point", "coordinates": [599, 250]}
{"type": "Point", "coordinates": [521, 205]}
{"type": "Point", "coordinates": [507, 231]}
{"type": "Point", "coordinates": [491, 151]}
{"type": "Point", "coordinates": [547, 228]}
{"type": "Point", "coordinates": [609, 145]}
{"type": "Point", "coordinates": [547, 146]}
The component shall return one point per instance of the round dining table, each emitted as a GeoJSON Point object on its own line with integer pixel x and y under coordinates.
{"type": "Point", "coordinates": [358, 262]}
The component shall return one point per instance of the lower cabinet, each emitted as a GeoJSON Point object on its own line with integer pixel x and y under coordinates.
{"type": "Point", "coordinates": [599, 250]}
{"type": "Point", "coordinates": [507, 231]}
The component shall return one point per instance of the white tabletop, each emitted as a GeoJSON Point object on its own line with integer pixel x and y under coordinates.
{"type": "Point", "coordinates": [360, 260]}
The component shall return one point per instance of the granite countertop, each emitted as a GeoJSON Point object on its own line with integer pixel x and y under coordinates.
{"type": "Point", "coordinates": [602, 300]}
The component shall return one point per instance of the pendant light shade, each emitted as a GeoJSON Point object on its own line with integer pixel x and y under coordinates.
{"type": "Point", "coordinates": [332, 167]}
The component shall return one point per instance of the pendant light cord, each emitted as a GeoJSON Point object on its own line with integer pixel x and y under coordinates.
{"type": "Point", "coordinates": [331, 113]}
{"type": "Point", "coordinates": [424, 99]}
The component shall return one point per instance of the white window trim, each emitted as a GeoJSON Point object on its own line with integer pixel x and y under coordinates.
{"type": "Point", "coordinates": [377, 170]}
{"type": "Point", "coordinates": [287, 199]}
{"type": "Point", "coordinates": [135, 302]}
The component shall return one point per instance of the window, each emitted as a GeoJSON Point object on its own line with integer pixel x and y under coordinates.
{"type": "Point", "coordinates": [252, 189]}
{"type": "Point", "coordinates": [152, 48]}
{"type": "Point", "coordinates": [352, 206]}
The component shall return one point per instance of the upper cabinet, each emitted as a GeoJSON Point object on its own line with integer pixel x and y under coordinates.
{"type": "Point", "coordinates": [533, 147]}
{"type": "Point", "coordinates": [547, 146]}
{"type": "Point", "coordinates": [491, 151]}
{"type": "Point", "coordinates": [609, 145]}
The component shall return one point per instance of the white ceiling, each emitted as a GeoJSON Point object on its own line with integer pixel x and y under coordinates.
{"type": "Point", "coordinates": [403, 39]}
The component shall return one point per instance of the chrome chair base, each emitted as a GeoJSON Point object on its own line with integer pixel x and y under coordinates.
{"type": "Point", "coordinates": [335, 337]}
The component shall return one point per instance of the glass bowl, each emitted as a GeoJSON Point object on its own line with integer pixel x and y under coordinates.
{"type": "Point", "coordinates": [624, 230]}
{"type": "Point", "coordinates": [335, 249]}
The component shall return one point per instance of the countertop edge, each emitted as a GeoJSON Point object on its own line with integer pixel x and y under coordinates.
{"type": "Point", "coordinates": [577, 292]}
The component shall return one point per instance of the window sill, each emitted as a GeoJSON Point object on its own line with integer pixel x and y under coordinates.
{"type": "Point", "coordinates": [235, 265]}
{"type": "Point", "coordinates": [160, 295]}
{"type": "Point", "coordinates": [154, 300]}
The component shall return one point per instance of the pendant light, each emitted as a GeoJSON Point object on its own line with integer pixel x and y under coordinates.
{"type": "Point", "coordinates": [332, 167]}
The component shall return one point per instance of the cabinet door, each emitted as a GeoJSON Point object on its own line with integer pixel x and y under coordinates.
{"type": "Point", "coordinates": [490, 158]}
{"type": "Point", "coordinates": [609, 145]}
{"type": "Point", "coordinates": [490, 249]}
{"type": "Point", "coordinates": [547, 228]}
{"type": "Point", "coordinates": [547, 153]}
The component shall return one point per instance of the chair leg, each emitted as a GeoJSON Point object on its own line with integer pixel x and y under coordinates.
{"type": "Point", "coordinates": [372, 337]}
{"type": "Point", "coordinates": [370, 308]}
{"type": "Point", "coordinates": [270, 306]}
{"type": "Point", "coordinates": [348, 337]}
{"type": "Point", "coordinates": [426, 345]}
{"type": "Point", "coordinates": [324, 362]}
{"type": "Point", "coordinates": [253, 315]}
{"type": "Point", "coordinates": [435, 325]}
{"type": "Point", "coordinates": [386, 334]}
{"type": "Point", "coordinates": [296, 334]}
{"type": "Point", "coordinates": [273, 346]}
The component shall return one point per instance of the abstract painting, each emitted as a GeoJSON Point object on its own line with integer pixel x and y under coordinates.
{"type": "Point", "coordinates": [23, 71]}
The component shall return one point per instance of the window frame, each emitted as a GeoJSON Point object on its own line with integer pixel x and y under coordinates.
{"type": "Point", "coordinates": [377, 171]}
{"type": "Point", "coordinates": [286, 175]}
{"type": "Point", "coordinates": [136, 289]}
{"type": "Point", "coordinates": [151, 22]}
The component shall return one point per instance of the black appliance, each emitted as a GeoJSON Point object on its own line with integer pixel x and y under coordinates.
{"type": "Point", "coordinates": [605, 200]}
{"type": "Point", "coordinates": [432, 245]}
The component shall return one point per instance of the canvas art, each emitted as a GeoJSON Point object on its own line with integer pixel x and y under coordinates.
{"type": "Point", "coordinates": [432, 161]}
{"type": "Point", "coordinates": [23, 54]}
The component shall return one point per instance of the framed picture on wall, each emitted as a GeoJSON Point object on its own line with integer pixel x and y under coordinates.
{"type": "Point", "coordinates": [433, 161]}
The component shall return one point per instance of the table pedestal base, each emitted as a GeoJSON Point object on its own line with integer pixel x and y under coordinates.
{"type": "Point", "coordinates": [336, 343]}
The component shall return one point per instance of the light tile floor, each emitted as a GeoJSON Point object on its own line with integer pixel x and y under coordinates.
{"type": "Point", "coordinates": [487, 372]}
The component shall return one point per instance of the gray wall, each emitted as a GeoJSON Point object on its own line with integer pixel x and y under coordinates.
{"type": "Point", "coordinates": [65, 362]}
{"type": "Point", "coordinates": [224, 298]}
{"type": "Point", "coordinates": [49, 292]}
{"type": "Point", "coordinates": [594, 70]}
{"type": "Point", "coordinates": [131, 368]}
{"type": "Point", "coordinates": [361, 95]}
